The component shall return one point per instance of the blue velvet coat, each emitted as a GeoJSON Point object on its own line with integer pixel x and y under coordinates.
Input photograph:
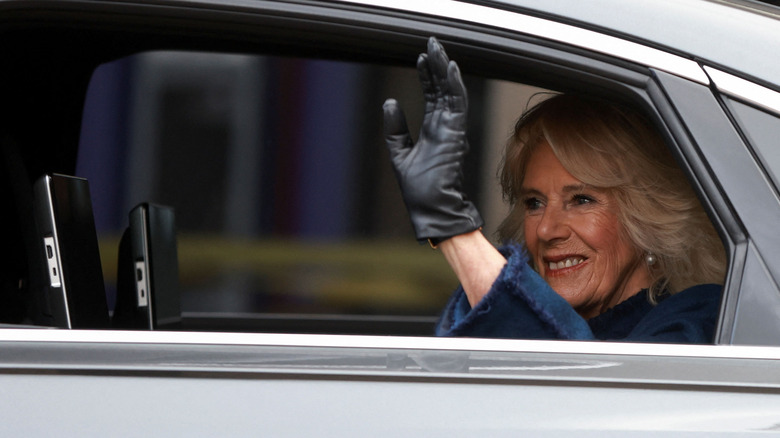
{"type": "Point", "coordinates": [522, 305]}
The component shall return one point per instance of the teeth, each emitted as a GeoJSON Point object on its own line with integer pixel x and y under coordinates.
{"type": "Point", "coordinates": [568, 263]}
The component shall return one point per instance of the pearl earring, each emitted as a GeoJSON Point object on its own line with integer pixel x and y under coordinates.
{"type": "Point", "coordinates": [650, 259]}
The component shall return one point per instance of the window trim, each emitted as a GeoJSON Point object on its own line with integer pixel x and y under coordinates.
{"type": "Point", "coordinates": [63, 336]}
{"type": "Point", "coordinates": [551, 30]}
{"type": "Point", "coordinates": [744, 90]}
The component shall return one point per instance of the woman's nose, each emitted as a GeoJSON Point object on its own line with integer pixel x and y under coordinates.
{"type": "Point", "coordinates": [553, 225]}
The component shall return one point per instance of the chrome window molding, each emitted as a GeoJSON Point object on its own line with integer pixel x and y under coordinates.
{"type": "Point", "coordinates": [386, 342]}
{"type": "Point", "coordinates": [745, 90]}
{"type": "Point", "coordinates": [551, 30]}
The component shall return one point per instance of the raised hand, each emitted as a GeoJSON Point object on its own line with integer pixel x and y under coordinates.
{"type": "Point", "coordinates": [430, 170]}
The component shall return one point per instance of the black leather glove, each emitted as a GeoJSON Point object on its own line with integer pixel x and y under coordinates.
{"type": "Point", "coordinates": [429, 172]}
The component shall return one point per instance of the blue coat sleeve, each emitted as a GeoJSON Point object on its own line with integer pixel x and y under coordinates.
{"type": "Point", "coordinates": [520, 304]}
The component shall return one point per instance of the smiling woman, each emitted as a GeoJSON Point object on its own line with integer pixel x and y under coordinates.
{"type": "Point", "coordinates": [614, 154]}
{"type": "Point", "coordinates": [613, 241]}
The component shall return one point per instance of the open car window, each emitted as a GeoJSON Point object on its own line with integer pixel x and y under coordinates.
{"type": "Point", "coordinates": [288, 217]}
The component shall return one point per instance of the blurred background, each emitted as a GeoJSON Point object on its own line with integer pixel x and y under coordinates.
{"type": "Point", "coordinates": [284, 196]}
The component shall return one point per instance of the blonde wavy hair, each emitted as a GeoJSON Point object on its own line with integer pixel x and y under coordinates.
{"type": "Point", "coordinates": [612, 147]}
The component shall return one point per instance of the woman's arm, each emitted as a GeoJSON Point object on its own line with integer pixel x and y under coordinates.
{"type": "Point", "coordinates": [520, 305]}
{"type": "Point", "coordinates": [429, 173]}
{"type": "Point", "coordinates": [476, 263]}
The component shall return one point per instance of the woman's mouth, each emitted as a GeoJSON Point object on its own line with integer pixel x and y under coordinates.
{"type": "Point", "coordinates": [568, 262]}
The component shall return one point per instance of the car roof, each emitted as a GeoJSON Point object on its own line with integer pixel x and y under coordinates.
{"type": "Point", "coordinates": [738, 36]}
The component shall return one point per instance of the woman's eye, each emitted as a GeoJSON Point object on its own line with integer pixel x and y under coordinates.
{"type": "Point", "coordinates": [532, 204]}
{"type": "Point", "coordinates": [583, 199]}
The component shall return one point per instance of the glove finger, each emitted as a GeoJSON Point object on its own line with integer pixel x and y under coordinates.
{"type": "Point", "coordinates": [396, 130]}
{"type": "Point", "coordinates": [424, 73]}
{"type": "Point", "coordinates": [458, 96]}
{"type": "Point", "coordinates": [437, 64]}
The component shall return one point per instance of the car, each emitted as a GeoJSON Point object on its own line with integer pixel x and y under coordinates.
{"type": "Point", "coordinates": [218, 165]}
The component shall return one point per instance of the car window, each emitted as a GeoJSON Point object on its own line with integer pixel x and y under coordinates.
{"type": "Point", "coordinates": [762, 131]}
{"type": "Point", "coordinates": [285, 202]}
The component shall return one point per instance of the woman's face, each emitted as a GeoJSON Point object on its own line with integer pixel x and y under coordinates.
{"type": "Point", "coordinates": [575, 239]}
